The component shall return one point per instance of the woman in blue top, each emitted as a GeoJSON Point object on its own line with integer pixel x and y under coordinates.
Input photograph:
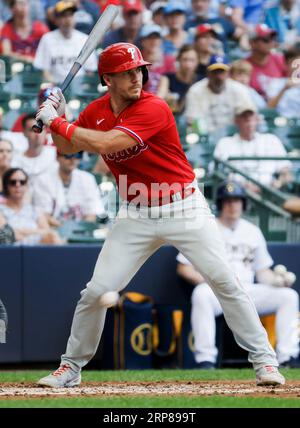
{"type": "Point", "coordinates": [174, 86]}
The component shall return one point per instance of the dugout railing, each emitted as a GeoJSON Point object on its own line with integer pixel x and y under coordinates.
{"type": "Point", "coordinates": [266, 206]}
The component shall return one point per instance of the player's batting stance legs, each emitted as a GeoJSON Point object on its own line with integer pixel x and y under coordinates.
{"type": "Point", "coordinates": [120, 258]}
{"type": "Point", "coordinates": [136, 134]}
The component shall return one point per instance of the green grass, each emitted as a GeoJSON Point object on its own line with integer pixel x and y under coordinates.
{"type": "Point", "coordinates": [153, 402]}
{"type": "Point", "coordinates": [216, 401]}
{"type": "Point", "coordinates": [147, 375]}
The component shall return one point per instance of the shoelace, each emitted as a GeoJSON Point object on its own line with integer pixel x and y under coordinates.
{"type": "Point", "coordinates": [61, 370]}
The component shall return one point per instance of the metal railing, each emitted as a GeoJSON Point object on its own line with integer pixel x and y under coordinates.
{"type": "Point", "coordinates": [266, 206]}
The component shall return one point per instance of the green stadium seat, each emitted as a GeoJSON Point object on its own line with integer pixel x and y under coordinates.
{"type": "Point", "coordinates": [25, 85]}
{"type": "Point", "coordinates": [85, 87]}
{"type": "Point", "coordinates": [269, 115]}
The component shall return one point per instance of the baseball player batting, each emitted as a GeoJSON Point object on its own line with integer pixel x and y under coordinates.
{"type": "Point", "coordinates": [135, 132]}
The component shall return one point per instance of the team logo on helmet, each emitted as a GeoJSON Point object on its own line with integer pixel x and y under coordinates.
{"type": "Point", "coordinates": [132, 52]}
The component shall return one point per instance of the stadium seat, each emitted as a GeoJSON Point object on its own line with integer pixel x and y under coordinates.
{"type": "Point", "coordinates": [25, 85]}
{"type": "Point", "coordinates": [85, 87]}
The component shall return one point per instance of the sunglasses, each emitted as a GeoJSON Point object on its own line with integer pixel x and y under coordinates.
{"type": "Point", "coordinates": [14, 182]}
{"type": "Point", "coordinates": [74, 156]}
{"type": "Point", "coordinates": [266, 39]}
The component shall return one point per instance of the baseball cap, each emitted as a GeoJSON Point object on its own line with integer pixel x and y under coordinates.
{"type": "Point", "coordinates": [218, 62]}
{"type": "Point", "coordinates": [157, 6]}
{"type": "Point", "coordinates": [262, 30]}
{"type": "Point", "coordinates": [245, 107]}
{"type": "Point", "coordinates": [62, 6]}
{"type": "Point", "coordinates": [149, 29]}
{"type": "Point", "coordinates": [132, 6]}
{"type": "Point", "coordinates": [74, 156]}
{"type": "Point", "coordinates": [174, 6]}
{"type": "Point", "coordinates": [204, 29]}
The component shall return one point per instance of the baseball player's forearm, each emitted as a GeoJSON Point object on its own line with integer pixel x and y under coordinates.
{"type": "Point", "coordinates": [101, 142]}
{"type": "Point", "coordinates": [63, 146]}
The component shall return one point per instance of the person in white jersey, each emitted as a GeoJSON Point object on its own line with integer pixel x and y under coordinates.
{"type": "Point", "coordinates": [59, 48]}
{"type": "Point", "coordinates": [247, 253]}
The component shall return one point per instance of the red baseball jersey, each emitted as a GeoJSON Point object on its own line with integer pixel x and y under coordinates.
{"type": "Point", "coordinates": [157, 157]}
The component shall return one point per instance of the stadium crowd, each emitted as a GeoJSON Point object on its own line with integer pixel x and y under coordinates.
{"type": "Point", "coordinates": [223, 67]}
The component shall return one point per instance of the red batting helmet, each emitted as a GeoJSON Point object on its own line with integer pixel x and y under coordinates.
{"type": "Point", "coordinates": [121, 57]}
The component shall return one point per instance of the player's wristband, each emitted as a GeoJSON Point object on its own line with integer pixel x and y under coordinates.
{"type": "Point", "coordinates": [63, 128]}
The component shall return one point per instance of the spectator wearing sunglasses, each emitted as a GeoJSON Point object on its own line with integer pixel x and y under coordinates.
{"type": "Point", "coordinates": [266, 64]}
{"type": "Point", "coordinates": [30, 225]}
{"type": "Point", "coordinates": [68, 193]}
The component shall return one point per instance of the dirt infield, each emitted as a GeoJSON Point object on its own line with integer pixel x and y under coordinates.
{"type": "Point", "coordinates": [107, 389]}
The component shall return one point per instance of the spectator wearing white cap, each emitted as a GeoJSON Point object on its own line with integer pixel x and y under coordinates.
{"type": "Point", "coordinates": [248, 142]}
{"type": "Point", "coordinates": [175, 18]}
{"type": "Point", "coordinates": [59, 48]}
{"type": "Point", "coordinates": [267, 65]}
{"type": "Point", "coordinates": [157, 10]}
{"type": "Point", "coordinates": [212, 101]}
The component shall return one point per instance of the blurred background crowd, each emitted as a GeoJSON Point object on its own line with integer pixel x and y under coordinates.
{"type": "Point", "coordinates": [229, 70]}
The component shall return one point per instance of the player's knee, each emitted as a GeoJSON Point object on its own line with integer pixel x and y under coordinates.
{"type": "Point", "coordinates": [201, 295]}
{"type": "Point", "coordinates": [92, 294]}
{"type": "Point", "coordinates": [288, 295]}
{"type": "Point", "coordinates": [223, 277]}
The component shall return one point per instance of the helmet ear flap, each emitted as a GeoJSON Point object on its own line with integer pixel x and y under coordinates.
{"type": "Point", "coordinates": [145, 74]}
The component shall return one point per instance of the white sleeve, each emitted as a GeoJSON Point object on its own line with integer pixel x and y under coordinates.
{"type": "Point", "coordinates": [181, 259]}
{"type": "Point", "coordinates": [192, 107]}
{"type": "Point", "coordinates": [41, 197]}
{"type": "Point", "coordinates": [262, 258]}
{"type": "Point", "coordinates": [93, 203]}
{"type": "Point", "coordinates": [221, 150]}
{"type": "Point", "coordinates": [279, 150]}
{"type": "Point", "coordinates": [42, 59]}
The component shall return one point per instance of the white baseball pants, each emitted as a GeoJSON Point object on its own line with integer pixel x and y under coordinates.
{"type": "Point", "coordinates": [267, 299]}
{"type": "Point", "coordinates": [136, 235]}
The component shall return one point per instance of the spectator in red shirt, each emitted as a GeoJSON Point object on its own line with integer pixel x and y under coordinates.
{"type": "Point", "coordinates": [267, 65]}
{"type": "Point", "coordinates": [19, 36]}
